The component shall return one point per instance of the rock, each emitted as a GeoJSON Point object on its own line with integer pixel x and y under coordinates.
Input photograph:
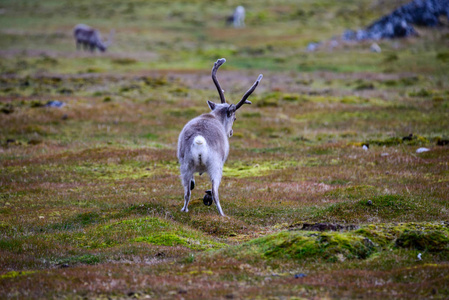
{"type": "Point", "coordinates": [312, 47]}
{"type": "Point", "coordinates": [333, 44]}
{"type": "Point", "coordinates": [419, 256]}
{"type": "Point", "coordinates": [54, 103]}
{"type": "Point", "coordinates": [422, 149]}
{"type": "Point", "coordinates": [442, 142]}
{"type": "Point", "coordinates": [370, 202]}
{"type": "Point", "coordinates": [365, 147]}
{"type": "Point", "coordinates": [300, 275]}
{"type": "Point", "coordinates": [375, 48]}
{"type": "Point", "coordinates": [408, 138]}
{"type": "Point", "coordinates": [399, 22]}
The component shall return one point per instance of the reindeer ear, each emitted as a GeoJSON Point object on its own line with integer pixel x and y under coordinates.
{"type": "Point", "coordinates": [211, 104]}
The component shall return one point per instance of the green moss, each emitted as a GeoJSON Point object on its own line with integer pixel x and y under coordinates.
{"type": "Point", "coordinates": [150, 230]}
{"type": "Point", "coordinates": [426, 240]}
{"type": "Point", "coordinates": [14, 274]}
{"type": "Point", "coordinates": [163, 239]}
{"type": "Point", "coordinates": [87, 218]}
{"type": "Point", "coordinates": [352, 192]}
{"type": "Point", "coordinates": [329, 246]}
{"type": "Point", "coordinates": [419, 236]}
{"type": "Point", "coordinates": [421, 93]}
{"type": "Point", "coordinates": [383, 206]}
{"type": "Point", "coordinates": [393, 141]}
{"type": "Point", "coordinates": [240, 169]}
{"type": "Point", "coordinates": [338, 246]}
{"type": "Point", "coordinates": [443, 56]}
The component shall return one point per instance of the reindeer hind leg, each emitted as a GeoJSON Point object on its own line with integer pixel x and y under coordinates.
{"type": "Point", "coordinates": [215, 185]}
{"type": "Point", "coordinates": [187, 179]}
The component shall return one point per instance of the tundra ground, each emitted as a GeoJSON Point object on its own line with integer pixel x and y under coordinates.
{"type": "Point", "coordinates": [90, 194]}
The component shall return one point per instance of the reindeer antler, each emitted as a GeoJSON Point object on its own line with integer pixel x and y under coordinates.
{"type": "Point", "coordinates": [217, 64]}
{"type": "Point", "coordinates": [249, 92]}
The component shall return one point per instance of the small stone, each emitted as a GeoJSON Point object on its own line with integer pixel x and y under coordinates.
{"type": "Point", "coordinates": [370, 202]}
{"type": "Point", "coordinates": [312, 47]}
{"type": "Point", "coordinates": [54, 103]}
{"type": "Point", "coordinates": [300, 275]}
{"type": "Point", "coordinates": [375, 48]}
{"type": "Point", "coordinates": [422, 149]}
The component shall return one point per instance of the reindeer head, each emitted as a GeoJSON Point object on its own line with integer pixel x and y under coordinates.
{"type": "Point", "coordinates": [225, 112]}
{"type": "Point", "coordinates": [103, 46]}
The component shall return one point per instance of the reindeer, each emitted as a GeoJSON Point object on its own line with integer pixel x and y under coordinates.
{"type": "Point", "coordinates": [90, 38]}
{"type": "Point", "coordinates": [237, 19]}
{"type": "Point", "coordinates": [203, 144]}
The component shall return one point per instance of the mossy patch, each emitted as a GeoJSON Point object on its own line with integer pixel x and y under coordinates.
{"type": "Point", "coordinates": [381, 206]}
{"type": "Point", "coordinates": [418, 236]}
{"type": "Point", "coordinates": [339, 246]}
{"type": "Point", "coordinates": [150, 230]}
{"type": "Point", "coordinates": [14, 274]}
{"type": "Point", "coordinates": [426, 240]}
{"type": "Point", "coordinates": [330, 246]}
{"type": "Point", "coordinates": [240, 169]}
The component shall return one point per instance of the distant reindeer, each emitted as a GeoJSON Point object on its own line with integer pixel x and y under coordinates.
{"type": "Point", "coordinates": [90, 38]}
{"type": "Point", "coordinates": [238, 17]}
{"type": "Point", "coordinates": [203, 144]}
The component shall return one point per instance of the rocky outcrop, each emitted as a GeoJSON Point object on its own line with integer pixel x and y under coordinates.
{"type": "Point", "coordinates": [400, 22]}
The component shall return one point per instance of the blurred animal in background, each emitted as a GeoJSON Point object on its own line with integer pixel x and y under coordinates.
{"type": "Point", "coordinates": [203, 144]}
{"type": "Point", "coordinates": [238, 18]}
{"type": "Point", "coordinates": [90, 38]}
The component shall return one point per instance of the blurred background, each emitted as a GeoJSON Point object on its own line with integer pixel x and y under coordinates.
{"type": "Point", "coordinates": [37, 36]}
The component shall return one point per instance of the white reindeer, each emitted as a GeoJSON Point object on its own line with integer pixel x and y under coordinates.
{"type": "Point", "coordinates": [90, 38]}
{"type": "Point", "coordinates": [239, 17]}
{"type": "Point", "coordinates": [203, 144]}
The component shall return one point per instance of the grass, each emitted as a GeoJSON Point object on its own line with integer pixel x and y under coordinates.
{"type": "Point", "coordinates": [90, 195]}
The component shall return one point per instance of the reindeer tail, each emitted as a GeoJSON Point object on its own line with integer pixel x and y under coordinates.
{"type": "Point", "coordinates": [199, 150]}
{"type": "Point", "coordinates": [199, 140]}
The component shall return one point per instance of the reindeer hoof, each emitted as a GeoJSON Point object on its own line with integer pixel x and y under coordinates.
{"type": "Point", "coordinates": [192, 184]}
{"type": "Point", "coordinates": [207, 200]}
